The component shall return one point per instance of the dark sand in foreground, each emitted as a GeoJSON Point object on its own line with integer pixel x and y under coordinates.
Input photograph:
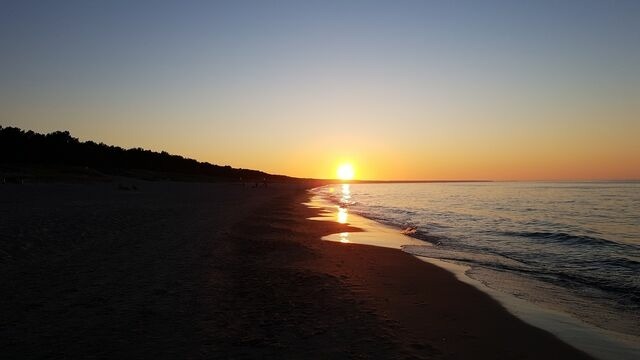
{"type": "Point", "coordinates": [179, 270]}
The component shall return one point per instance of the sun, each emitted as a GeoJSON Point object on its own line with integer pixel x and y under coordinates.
{"type": "Point", "coordinates": [345, 172]}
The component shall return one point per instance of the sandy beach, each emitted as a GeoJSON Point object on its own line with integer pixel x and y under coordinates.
{"type": "Point", "coordinates": [188, 270]}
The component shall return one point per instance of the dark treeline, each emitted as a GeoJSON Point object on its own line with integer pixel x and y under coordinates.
{"type": "Point", "coordinates": [59, 148]}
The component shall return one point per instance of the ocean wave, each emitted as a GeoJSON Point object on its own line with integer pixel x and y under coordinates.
{"type": "Point", "coordinates": [624, 290]}
{"type": "Point", "coordinates": [494, 261]}
{"type": "Point", "coordinates": [564, 238]}
{"type": "Point", "coordinates": [611, 262]}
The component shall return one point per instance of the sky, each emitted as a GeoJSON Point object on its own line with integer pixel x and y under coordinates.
{"type": "Point", "coordinates": [498, 90]}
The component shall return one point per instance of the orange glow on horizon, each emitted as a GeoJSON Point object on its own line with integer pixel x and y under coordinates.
{"type": "Point", "coordinates": [478, 156]}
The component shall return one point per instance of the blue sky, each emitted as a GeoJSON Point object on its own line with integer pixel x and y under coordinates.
{"type": "Point", "coordinates": [411, 89]}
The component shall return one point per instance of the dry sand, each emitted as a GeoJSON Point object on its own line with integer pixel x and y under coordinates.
{"type": "Point", "coordinates": [178, 270]}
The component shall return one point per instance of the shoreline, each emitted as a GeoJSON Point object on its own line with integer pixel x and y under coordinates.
{"type": "Point", "coordinates": [601, 343]}
{"type": "Point", "coordinates": [402, 272]}
{"type": "Point", "coordinates": [218, 270]}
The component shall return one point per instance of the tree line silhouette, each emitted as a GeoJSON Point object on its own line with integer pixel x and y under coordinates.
{"type": "Point", "coordinates": [59, 148]}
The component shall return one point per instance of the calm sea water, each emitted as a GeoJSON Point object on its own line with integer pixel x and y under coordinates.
{"type": "Point", "coordinates": [569, 246]}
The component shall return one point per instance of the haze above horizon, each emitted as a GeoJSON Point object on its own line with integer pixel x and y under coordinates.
{"type": "Point", "coordinates": [410, 90]}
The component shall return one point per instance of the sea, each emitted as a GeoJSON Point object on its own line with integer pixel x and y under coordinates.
{"type": "Point", "coordinates": [573, 247]}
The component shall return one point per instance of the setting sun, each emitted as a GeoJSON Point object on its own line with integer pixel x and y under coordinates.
{"type": "Point", "coordinates": [345, 172]}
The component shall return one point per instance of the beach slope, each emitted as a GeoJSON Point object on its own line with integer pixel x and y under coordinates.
{"type": "Point", "coordinates": [180, 270]}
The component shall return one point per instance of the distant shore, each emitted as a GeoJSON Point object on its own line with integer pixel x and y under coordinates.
{"type": "Point", "coordinates": [166, 270]}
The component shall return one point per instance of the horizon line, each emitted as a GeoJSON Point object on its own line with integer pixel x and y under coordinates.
{"type": "Point", "coordinates": [474, 180]}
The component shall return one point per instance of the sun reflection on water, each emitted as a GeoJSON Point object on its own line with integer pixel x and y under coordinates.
{"type": "Point", "coordinates": [343, 214]}
{"type": "Point", "coordinates": [345, 199]}
{"type": "Point", "coordinates": [346, 193]}
{"type": "Point", "coordinates": [344, 237]}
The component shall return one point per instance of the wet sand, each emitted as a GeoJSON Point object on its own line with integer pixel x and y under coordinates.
{"type": "Point", "coordinates": [178, 270]}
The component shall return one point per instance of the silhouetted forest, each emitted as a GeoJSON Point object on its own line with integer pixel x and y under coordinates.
{"type": "Point", "coordinates": [59, 148]}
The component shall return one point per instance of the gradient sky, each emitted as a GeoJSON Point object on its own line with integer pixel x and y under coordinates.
{"type": "Point", "coordinates": [403, 89]}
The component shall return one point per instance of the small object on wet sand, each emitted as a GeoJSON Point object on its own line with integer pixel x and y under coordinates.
{"type": "Point", "coordinates": [409, 230]}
